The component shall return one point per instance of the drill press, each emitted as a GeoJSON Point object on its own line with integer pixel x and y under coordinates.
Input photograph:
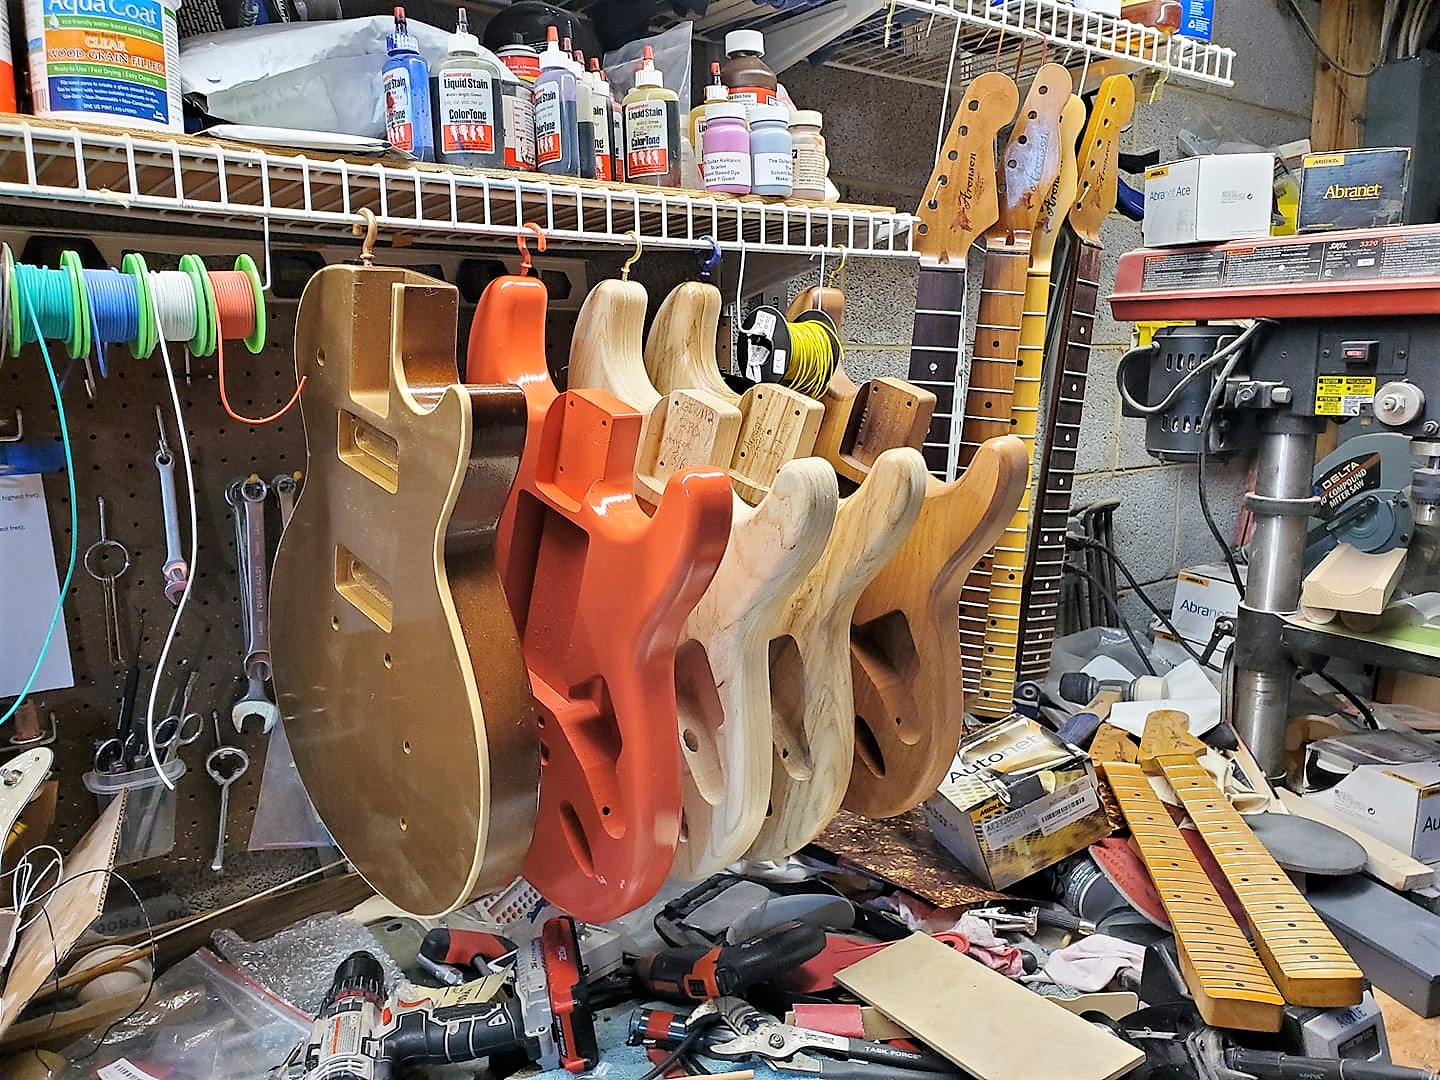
{"type": "Point", "coordinates": [1348, 331]}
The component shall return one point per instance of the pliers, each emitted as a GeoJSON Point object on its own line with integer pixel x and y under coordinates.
{"type": "Point", "coordinates": [784, 1048]}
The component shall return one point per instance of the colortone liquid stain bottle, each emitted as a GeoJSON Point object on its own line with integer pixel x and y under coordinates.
{"type": "Point", "coordinates": [468, 106]}
{"type": "Point", "coordinates": [585, 119]}
{"type": "Point", "coordinates": [405, 82]}
{"type": "Point", "coordinates": [602, 118]}
{"type": "Point", "coordinates": [557, 132]}
{"type": "Point", "coordinates": [652, 128]}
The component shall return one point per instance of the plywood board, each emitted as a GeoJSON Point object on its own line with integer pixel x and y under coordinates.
{"type": "Point", "coordinates": [986, 1024]}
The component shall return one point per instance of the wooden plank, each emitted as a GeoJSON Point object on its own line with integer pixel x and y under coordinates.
{"type": "Point", "coordinates": [991, 1027]}
{"type": "Point", "coordinates": [1352, 580]}
{"type": "Point", "coordinates": [1350, 32]}
{"type": "Point", "coordinates": [1386, 864]}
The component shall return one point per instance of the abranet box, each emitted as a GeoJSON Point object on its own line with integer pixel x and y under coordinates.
{"type": "Point", "coordinates": [1357, 189]}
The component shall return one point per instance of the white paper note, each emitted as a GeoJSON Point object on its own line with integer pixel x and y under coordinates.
{"type": "Point", "coordinates": [29, 586]}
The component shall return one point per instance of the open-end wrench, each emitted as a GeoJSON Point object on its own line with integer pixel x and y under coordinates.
{"type": "Point", "coordinates": [177, 572]}
{"type": "Point", "coordinates": [255, 592]}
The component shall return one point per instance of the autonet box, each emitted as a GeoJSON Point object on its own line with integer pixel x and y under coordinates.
{"type": "Point", "coordinates": [1359, 189]}
{"type": "Point", "coordinates": [1016, 800]}
{"type": "Point", "coordinates": [1385, 783]}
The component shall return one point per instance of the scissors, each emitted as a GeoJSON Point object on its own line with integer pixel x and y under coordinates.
{"type": "Point", "coordinates": [181, 726]}
{"type": "Point", "coordinates": [112, 754]}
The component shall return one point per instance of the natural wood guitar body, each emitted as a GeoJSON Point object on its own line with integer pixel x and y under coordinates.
{"type": "Point", "coordinates": [398, 669]}
{"type": "Point", "coordinates": [601, 592]}
{"type": "Point", "coordinates": [680, 352]}
{"type": "Point", "coordinates": [905, 648]}
{"type": "Point", "coordinates": [811, 691]}
{"type": "Point", "coordinates": [722, 665]}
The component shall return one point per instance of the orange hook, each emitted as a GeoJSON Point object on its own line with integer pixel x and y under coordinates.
{"type": "Point", "coordinates": [525, 251]}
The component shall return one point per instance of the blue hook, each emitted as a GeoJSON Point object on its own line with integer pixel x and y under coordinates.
{"type": "Point", "coordinates": [707, 267]}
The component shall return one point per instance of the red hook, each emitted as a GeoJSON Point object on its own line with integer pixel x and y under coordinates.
{"type": "Point", "coordinates": [525, 251]}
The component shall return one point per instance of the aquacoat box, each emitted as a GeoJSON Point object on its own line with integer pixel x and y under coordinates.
{"type": "Point", "coordinates": [1208, 200]}
{"type": "Point", "coordinates": [1357, 189]}
{"type": "Point", "coordinates": [1016, 800]}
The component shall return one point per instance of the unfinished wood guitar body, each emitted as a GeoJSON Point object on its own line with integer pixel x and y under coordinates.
{"type": "Point", "coordinates": [722, 665]}
{"type": "Point", "coordinates": [905, 647]}
{"type": "Point", "coordinates": [680, 352]}
{"type": "Point", "coordinates": [398, 669]}
{"type": "Point", "coordinates": [600, 592]}
{"type": "Point", "coordinates": [812, 696]}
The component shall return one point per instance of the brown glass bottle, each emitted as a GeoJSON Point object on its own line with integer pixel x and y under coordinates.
{"type": "Point", "coordinates": [1165, 15]}
{"type": "Point", "coordinates": [749, 79]}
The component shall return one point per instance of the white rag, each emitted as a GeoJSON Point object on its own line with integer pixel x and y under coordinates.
{"type": "Point", "coordinates": [1092, 962]}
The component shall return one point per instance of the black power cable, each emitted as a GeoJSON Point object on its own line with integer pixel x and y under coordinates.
{"type": "Point", "coordinates": [1114, 605]}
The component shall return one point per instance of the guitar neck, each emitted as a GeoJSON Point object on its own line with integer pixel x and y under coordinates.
{"type": "Point", "coordinates": [935, 349]}
{"type": "Point", "coordinates": [988, 413]}
{"type": "Point", "coordinates": [1009, 568]}
{"type": "Point", "coordinates": [1054, 477]}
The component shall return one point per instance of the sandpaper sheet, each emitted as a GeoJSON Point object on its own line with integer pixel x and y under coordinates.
{"type": "Point", "coordinates": [904, 852]}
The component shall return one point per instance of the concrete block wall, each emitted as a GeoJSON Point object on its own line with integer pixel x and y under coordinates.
{"type": "Point", "coordinates": [882, 137]}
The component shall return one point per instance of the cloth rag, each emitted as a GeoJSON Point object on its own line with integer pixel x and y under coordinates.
{"type": "Point", "coordinates": [1092, 962]}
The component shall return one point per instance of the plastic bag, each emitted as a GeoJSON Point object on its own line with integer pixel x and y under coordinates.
{"type": "Point", "coordinates": [672, 60]}
{"type": "Point", "coordinates": [204, 1019]}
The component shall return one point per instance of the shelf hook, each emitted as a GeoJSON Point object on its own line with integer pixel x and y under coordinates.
{"type": "Point", "coordinates": [633, 259]}
{"type": "Point", "coordinates": [839, 268]}
{"type": "Point", "coordinates": [525, 266]}
{"type": "Point", "coordinates": [371, 229]}
{"type": "Point", "coordinates": [711, 261]}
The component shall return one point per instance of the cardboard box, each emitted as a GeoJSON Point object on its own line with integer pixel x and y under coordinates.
{"type": "Point", "coordinates": [1016, 800]}
{"type": "Point", "coordinates": [1357, 189]}
{"type": "Point", "coordinates": [1203, 594]}
{"type": "Point", "coordinates": [1389, 787]}
{"type": "Point", "coordinates": [1207, 200]}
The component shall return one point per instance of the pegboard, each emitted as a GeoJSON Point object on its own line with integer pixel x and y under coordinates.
{"type": "Point", "coordinates": [115, 438]}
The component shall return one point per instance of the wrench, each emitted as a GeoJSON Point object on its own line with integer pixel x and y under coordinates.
{"type": "Point", "coordinates": [216, 763]}
{"type": "Point", "coordinates": [255, 593]}
{"type": "Point", "coordinates": [177, 572]}
{"type": "Point", "coordinates": [285, 487]}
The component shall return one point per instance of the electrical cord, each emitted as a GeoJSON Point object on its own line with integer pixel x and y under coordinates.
{"type": "Point", "coordinates": [28, 307]}
{"type": "Point", "coordinates": [1366, 713]}
{"type": "Point", "coordinates": [1315, 42]}
{"type": "Point", "coordinates": [1114, 604]}
{"type": "Point", "coordinates": [691, 1040]}
{"type": "Point", "coordinates": [1206, 417]}
{"type": "Point", "coordinates": [194, 553]}
{"type": "Point", "coordinates": [1219, 356]}
{"type": "Point", "coordinates": [1135, 587]}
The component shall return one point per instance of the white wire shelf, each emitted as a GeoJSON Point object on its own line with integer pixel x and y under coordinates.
{"type": "Point", "coordinates": [206, 183]}
{"type": "Point", "coordinates": [915, 40]}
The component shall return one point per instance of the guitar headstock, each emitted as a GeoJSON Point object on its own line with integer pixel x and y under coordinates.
{"type": "Point", "coordinates": [1032, 156]}
{"type": "Point", "coordinates": [1099, 156]}
{"type": "Point", "coordinates": [961, 201]}
{"type": "Point", "coordinates": [1058, 203]}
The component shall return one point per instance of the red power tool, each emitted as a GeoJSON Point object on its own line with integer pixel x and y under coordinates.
{"type": "Point", "coordinates": [695, 973]}
{"type": "Point", "coordinates": [361, 1034]}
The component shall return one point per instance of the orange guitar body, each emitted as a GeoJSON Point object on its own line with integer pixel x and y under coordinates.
{"type": "Point", "coordinates": [600, 592]}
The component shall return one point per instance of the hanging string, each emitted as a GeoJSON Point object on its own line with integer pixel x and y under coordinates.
{"type": "Point", "coordinates": [815, 353]}
{"type": "Point", "coordinates": [32, 329]}
{"type": "Point", "coordinates": [114, 304]}
{"type": "Point", "coordinates": [47, 304]}
{"type": "Point", "coordinates": [174, 302]}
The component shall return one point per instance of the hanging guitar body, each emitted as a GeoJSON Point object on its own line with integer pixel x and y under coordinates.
{"type": "Point", "coordinates": [397, 666]}
{"type": "Point", "coordinates": [600, 593]}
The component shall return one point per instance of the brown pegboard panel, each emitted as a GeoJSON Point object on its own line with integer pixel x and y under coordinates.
{"type": "Point", "coordinates": [115, 439]}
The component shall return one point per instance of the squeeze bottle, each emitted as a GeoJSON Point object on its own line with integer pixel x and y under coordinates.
{"type": "Point", "coordinates": [652, 128]}
{"type": "Point", "coordinates": [405, 82]}
{"type": "Point", "coordinates": [715, 93]}
{"type": "Point", "coordinates": [748, 78]}
{"type": "Point", "coordinates": [557, 133]}
{"type": "Point", "coordinates": [585, 119]}
{"type": "Point", "coordinates": [469, 104]}
{"type": "Point", "coordinates": [602, 115]}
{"type": "Point", "coordinates": [617, 129]}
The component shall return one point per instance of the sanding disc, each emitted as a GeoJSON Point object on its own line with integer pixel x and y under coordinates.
{"type": "Point", "coordinates": [1306, 846]}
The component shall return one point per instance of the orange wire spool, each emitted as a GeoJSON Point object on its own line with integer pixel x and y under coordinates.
{"type": "Point", "coordinates": [240, 316]}
{"type": "Point", "coordinates": [600, 592]}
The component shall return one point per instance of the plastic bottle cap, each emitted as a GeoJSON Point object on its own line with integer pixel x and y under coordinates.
{"type": "Point", "coordinates": [552, 57]}
{"type": "Point", "coordinates": [401, 38]}
{"type": "Point", "coordinates": [717, 93]}
{"type": "Point", "coordinates": [649, 77]}
{"type": "Point", "coordinates": [462, 41]}
{"type": "Point", "coordinates": [806, 118]}
{"type": "Point", "coordinates": [724, 112]}
{"type": "Point", "coordinates": [760, 113]}
{"type": "Point", "coordinates": [738, 41]}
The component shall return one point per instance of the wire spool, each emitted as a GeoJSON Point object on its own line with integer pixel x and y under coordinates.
{"type": "Point", "coordinates": [55, 299]}
{"type": "Point", "coordinates": [802, 355]}
{"type": "Point", "coordinates": [178, 304]}
{"type": "Point", "coordinates": [7, 302]}
{"type": "Point", "coordinates": [240, 303]}
{"type": "Point", "coordinates": [114, 305]}
{"type": "Point", "coordinates": [203, 343]}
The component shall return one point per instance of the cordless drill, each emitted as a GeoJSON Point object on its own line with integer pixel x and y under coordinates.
{"type": "Point", "coordinates": [541, 1010]}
